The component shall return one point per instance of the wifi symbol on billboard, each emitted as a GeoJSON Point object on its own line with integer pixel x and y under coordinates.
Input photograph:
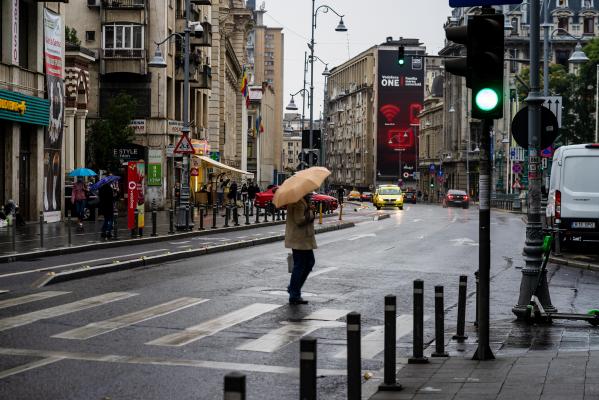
{"type": "Point", "coordinates": [389, 111]}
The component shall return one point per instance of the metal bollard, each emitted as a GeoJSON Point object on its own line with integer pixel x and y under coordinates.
{"type": "Point", "coordinates": [283, 214]}
{"type": "Point", "coordinates": [201, 209]}
{"type": "Point", "coordinates": [308, 368]}
{"type": "Point", "coordinates": [187, 217]}
{"type": "Point", "coordinates": [341, 212]}
{"type": "Point", "coordinates": [235, 216]}
{"type": "Point", "coordinates": [14, 236]}
{"type": "Point", "coordinates": [41, 228]}
{"type": "Point", "coordinates": [257, 215]}
{"type": "Point", "coordinates": [418, 345]}
{"type": "Point", "coordinates": [390, 383]}
{"type": "Point", "coordinates": [227, 214]}
{"type": "Point", "coordinates": [476, 312]}
{"type": "Point", "coordinates": [439, 324]}
{"type": "Point", "coordinates": [134, 230]}
{"type": "Point", "coordinates": [266, 212]}
{"type": "Point", "coordinates": [246, 211]}
{"type": "Point", "coordinates": [278, 214]}
{"type": "Point", "coordinates": [115, 225]}
{"type": "Point", "coordinates": [69, 236]}
{"type": "Point", "coordinates": [459, 336]}
{"type": "Point", "coordinates": [214, 212]}
{"type": "Point", "coordinates": [320, 213]}
{"type": "Point", "coordinates": [234, 386]}
{"type": "Point", "coordinates": [171, 224]}
{"type": "Point", "coordinates": [354, 358]}
{"type": "Point", "coordinates": [192, 210]}
{"type": "Point", "coordinates": [154, 223]}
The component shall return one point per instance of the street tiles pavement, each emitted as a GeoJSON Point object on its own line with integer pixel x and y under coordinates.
{"type": "Point", "coordinates": [533, 362]}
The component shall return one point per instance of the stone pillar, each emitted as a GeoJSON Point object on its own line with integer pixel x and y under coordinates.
{"type": "Point", "coordinates": [68, 143]}
{"type": "Point", "coordinates": [80, 119]}
{"type": "Point", "coordinates": [13, 146]}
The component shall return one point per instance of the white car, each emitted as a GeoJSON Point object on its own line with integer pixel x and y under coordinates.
{"type": "Point", "coordinates": [573, 203]}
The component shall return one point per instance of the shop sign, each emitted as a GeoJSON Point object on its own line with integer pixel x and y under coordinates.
{"type": "Point", "coordinates": [139, 126]}
{"type": "Point", "coordinates": [130, 152]}
{"type": "Point", "coordinates": [135, 190]}
{"type": "Point", "coordinates": [154, 167]}
{"type": "Point", "coordinates": [174, 127]}
{"type": "Point", "coordinates": [18, 107]}
{"type": "Point", "coordinates": [200, 147]}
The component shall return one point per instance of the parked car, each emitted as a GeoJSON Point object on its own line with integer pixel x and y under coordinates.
{"type": "Point", "coordinates": [410, 197]}
{"type": "Point", "coordinates": [573, 202]}
{"type": "Point", "coordinates": [329, 202]}
{"type": "Point", "coordinates": [354, 195]}
{"type": "Point", "coordinates": [265, 197]}
{"type": "Point", "coordinates": [457, 198]}
{"type": "Point", "coordinates": [366, 196]}
{"type": "Point", "coordinates": [388, 196]}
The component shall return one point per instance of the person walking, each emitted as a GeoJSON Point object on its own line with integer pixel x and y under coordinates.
{"type": "Point", "coordinates": [299, 237]}
{"type": "Point", "coordinates": [78, 198]}
{"type": "Point", "coordinates": [233, 193]}
{"type": "Point", "coordinates": [106, 208]}
{"type": "Point", "coordinates": [244, 192]}
{"type": "Point", "coordinates": [220, 192]}
{"type": "Point", "coordinates": [252, 196]}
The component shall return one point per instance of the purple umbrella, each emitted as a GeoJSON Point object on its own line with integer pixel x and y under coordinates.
{"type": "Point", "coordinates": [104, 181]}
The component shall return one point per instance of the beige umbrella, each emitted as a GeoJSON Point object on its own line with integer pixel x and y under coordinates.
{"type": "Point", "coordinates": [299, 185]}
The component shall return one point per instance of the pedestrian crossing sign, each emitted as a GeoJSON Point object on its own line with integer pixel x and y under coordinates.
{"type": "Point", "coordinates": [184, 145]}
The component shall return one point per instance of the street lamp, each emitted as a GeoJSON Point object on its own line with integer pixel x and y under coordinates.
{"type": "Point", "coordinates": [340, 28]}
{"type": "Point", "coordinates": [158, 62]}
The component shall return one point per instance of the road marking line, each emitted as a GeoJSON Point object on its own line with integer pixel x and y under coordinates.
{"type": "Point", "coordinates": [323, 271]}
{"type": "Point", "coordinates": [78, 263]}
{"type": "Point", "coordinates": [29, 366]}
{"type": "Point", "coordinates": [24, 319]}
{"type": "Point", "coordinates": [4, 291]}
{"type": "Point", "coordinates": [290, 332]}
{"type": "Point", "coordinates": [29, 298]}
{"type": "Point", "coordinates": [109, 325]}
{"type": "Point", "coordinates": [374, 342]}
{"type": "Point", "coordinates": [215, 325]}
{"type": "Point", "coordinates": [170, 362]}
{"type": "Point", "coordinates": [181, 242]}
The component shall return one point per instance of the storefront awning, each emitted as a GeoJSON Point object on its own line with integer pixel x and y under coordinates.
{"type": "Point", "coordinates": [220, 165]}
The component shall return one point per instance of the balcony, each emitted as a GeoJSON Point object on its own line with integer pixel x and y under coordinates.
{"type": "Point", "coordinates": [123, 60]}
{"type": "Point", "coordinates": [201, 2]}
{"type": "Point", "coordinates": [123, 53]}
{"type": "Point", "coordinates": [123, 4]}
{"type": "Point", "coordinates": [200, 77]}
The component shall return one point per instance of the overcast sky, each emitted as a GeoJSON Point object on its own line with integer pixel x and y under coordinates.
{"type": "Point", "coordinates": [369, 22]}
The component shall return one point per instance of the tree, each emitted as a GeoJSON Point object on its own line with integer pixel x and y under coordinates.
{"type": "Point", "coordinates": [70, 36]}
{"type": "Point", "coordinates": [111, 132]}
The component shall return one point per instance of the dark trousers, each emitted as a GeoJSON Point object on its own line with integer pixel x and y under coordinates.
{"type": "Point", "coordinates": [107, 225]}
{"type": "Point", "coordinates": [303, 261]}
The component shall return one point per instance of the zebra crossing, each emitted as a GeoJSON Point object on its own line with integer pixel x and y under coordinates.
{"type": "Point", "coordinates": [267, 341]}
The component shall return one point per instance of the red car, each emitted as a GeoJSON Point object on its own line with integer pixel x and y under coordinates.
{"type": "Point", "coordinates": [329, 203]}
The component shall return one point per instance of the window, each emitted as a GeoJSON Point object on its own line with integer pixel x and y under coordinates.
{"type": "Point", "coordinates": [562, 3]}
{"type": "Point", "coordinates": [514, 23]}
{"type": "Point", "coordinates": [90, 36]}
{"type": "Point", "coordinates": [513, 64]}
{"type": "Point", "coordinates": [587, 3]}
{"type": "Point", "coordinates": [123, 40]}
{"type": "Point", "coordinates": [561, 57]}
{"type": "Point", "coordinates": [562, 23]}
{"type": "Point", "coordinates": [589, 26]}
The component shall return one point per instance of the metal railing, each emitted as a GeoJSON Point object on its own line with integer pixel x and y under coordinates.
{"type": "Point", "coordinates": [124, 53]}
{"type": "Point", "coordinates": [123, 3]}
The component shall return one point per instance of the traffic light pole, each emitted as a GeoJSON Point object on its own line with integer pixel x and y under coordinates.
{"type": "Point", "coordinates": [533, 252]}
{"type": "Point", "coordinates": [483, 352]}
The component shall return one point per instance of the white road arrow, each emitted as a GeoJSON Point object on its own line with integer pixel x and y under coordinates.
{"type": "Point", "coordinates": [464, 242]}
{"type": "Point", "coordinates": [364, 235]}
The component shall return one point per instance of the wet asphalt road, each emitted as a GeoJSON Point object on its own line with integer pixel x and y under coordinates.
{"type": "Point", "coordinates": [231, 312]}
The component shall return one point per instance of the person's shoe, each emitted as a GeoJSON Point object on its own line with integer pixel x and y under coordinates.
{"type": "Point", "coordinates": [295, 302]}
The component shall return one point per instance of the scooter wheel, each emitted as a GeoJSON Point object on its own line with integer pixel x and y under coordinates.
{"type": "Point", "coordinates": [595, 312]}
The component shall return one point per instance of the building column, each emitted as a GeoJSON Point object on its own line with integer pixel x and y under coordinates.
{"type": "Point", "coordinates": [80, 122]}
{"type": "Point", "coordinates": [13, 148]}
{"type": "Point", "coordinates": [68, 139]}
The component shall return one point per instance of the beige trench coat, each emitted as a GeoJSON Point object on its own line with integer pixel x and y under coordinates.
{"type": "Point", "coordinates": [299, 232]}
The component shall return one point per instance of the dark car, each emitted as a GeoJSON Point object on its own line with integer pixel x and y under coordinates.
{"type": "Point", "coordinates": [457, 198]}
{"type": "Point", "coordinates": [366, 196]}
{"type": "Point", "coordinates": [410, 197]}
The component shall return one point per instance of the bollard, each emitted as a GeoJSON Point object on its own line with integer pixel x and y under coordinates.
{"type": "Point", "coordinates": [341, 212]}
{"type": "Point", "coordinates": [418, 345]}
{"type": "Point", "coordinates": [171, 225]}
{"type": "Point", "coordinates": [278, 214]}
{"type": "Point", "coordinates": [115, 225]}
{"type": "Point", "coordinates": [154, 223]}
{"type": "Point", "coordinates": [354, 358]}
{"type": "Point", "coordinates": [214, 212]}
{"type": "Point", "coordinates": [390, 383]}
{"type": "Point", "coordinates": [14, 237]}
{"type": "Point", "coordinates": [235, 216]}
{"type": "Point", "coordinates": [69, 228]}
{"type": "Point", "coordinates": [459, 336]}
{"type": "Point", "coordinates": [191, 215]}
{"type": "Point", "coordinates": [234, 386]}
{"type": "Point", "coordinates": [227, 213]}
{"type": "Point", "coordinates": [187, 217]}
{"type": "Point", "coordinates": [476, 312]}
{"type": "Point", "coordinates": [201, 209]}
{"type": "Point", "coordinates": [246, 208]}
{"type": "Point", "coordinates": [320, 213]}
{"type": "Point", "coordinates": [257, 215]}
{"type": "Point", "coordinates": [439, 324]}
{"type": "Point", "coordinates": [308, 368]}
{"type": "Point", "coordinates": [266, 212]}
{"type": "Point", "coordinates": [41, 228]}
{"type": "Point", "coordinates": [283, 214]}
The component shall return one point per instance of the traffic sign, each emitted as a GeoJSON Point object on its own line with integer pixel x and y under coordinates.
{"type": "Point", "coordinates": [170, 150]}
{"type": "Point", "coordinates": [194, 171]}
{"type": "Point", "coordinates": [184, 145]}
{"type": "Point", "coordinates": [516, 168]}
{"type": "Point", "coordinates": [549, 127]}
{"type": "Point", "coordinates": [431, 168]}
{"type": "Point", "coordinates": [554, 104]}
{"type": "Point", "coordinates": [468, 3]}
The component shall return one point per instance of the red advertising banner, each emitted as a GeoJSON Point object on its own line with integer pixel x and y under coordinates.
{"type": "Point", "coordinates": [135, 188]}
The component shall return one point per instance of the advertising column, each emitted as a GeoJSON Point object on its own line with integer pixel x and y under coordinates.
{"type": "Point", "coordinates": [400, 99]}
{"type": "Point", "coordinates": [54, 65]}
{"type": "Point", "coordinates": [135, 193]}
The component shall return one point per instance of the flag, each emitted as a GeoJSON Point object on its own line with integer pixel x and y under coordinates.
{"type": "Point", "coordinates": [247, 102]}
{"type": "Point", "coordinates": [259, 127]}
{"type": "Point", "coordinates": [244, 83]}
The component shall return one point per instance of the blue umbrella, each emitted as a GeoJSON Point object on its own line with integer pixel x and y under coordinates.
{"type": "Point", "coordinates": [82, 172]}
{"type": "Point", "coordinates": [104, 181]}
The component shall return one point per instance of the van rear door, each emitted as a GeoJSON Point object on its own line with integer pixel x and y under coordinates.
{"type": "Point", "coordinates": [580, 184]}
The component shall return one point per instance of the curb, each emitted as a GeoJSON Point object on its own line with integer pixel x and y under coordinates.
{"type": "Point", "coordinates": [85, 272]}
{"type": "Point", "coordinates": [574, 264]}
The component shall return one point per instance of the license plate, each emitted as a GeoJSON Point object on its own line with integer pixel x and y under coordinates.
{"type": "Point", "coordinates": [585, 225]}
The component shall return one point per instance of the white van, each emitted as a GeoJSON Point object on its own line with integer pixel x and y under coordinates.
{"type": "Point", "coordinates": [573, 203]}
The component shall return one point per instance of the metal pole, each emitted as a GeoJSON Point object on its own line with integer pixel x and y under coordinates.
{"type": "Point", "coordinates": [546, 26]}
{"type": "Point", "coordinates": [418, 342]}
{"type": "Point", "coordinates": [246, 207]}
{"type": "Point", "coordinates": [214, 212]}
{"type": "Point", "coordinates": [69, 227]}
{"type": "Point", "coordinates": [304, 91]}
{"type": "Point", "coordinates": [477, 291]}
{"type": "Point", "coordinates": [308, 368]}
{"type": "Point", "coordinates": [311, 98]}
{"type": "Point", "coordinates": [354, 360]}
{"type": "Point", "coordinates": [234, 386]}
{"type": "Point", "coordinates": [171, 216]}
{"type": "Point", "coordinates": [201, 228]}
{"type": "Point", "coordinates": [227, 213]}
{"type": "Point", "coordinates": [597, 107]}
{"type": "Point", "coordinates": [257, 215]}
{"type": "Point", "coordinates": [390, 382]}
{"type": "Point", "coordinates": [41, 228]}
{"type": "Point", "coordinates": [460, 336]}
{"type": "Point", "coordinates": [533, 253]}
{"type": "Point", "coordinates": [14, 235]}
{"type": "Point", "coordinates": [483, 351]}
{"type": "Point", "coordinates": [439, 324]}
{"type": "Point", "coordinates": [136, 225]}
{"type": "Point", "coordinates": [115, 225]}
{"type": "Point", "coordinates": [235, 216]}
{"type": "Point", "coordinates": [154, 222]}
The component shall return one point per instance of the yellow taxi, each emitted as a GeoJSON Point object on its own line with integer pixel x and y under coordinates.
{"type": "Point", "coordinates": [388, 196]}
{"type": "Point", "coordinates": [354, 195]}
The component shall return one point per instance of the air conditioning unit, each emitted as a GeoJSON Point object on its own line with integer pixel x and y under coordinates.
{"type": "Point", "coordinates": [93, 3]}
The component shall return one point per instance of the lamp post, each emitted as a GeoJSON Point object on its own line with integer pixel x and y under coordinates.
{"type": "Point", "coordinates": [340, 28]}
{"type": "Point", "coordinates": [158, 62]}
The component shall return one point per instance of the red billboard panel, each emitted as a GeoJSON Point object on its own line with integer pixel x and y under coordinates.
{"type": "Point", "coordinates": [400, 99]}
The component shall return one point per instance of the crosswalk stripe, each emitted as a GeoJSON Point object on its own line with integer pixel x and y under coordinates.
{"type": "Point", "coordinates": [215, 325]}
{"type": "Point", "coordinates": [29, 366]}
{"type": "Point", "coordinates": [29, 298]}
{"type": "Point", "coordinates": [323, 271]}
{"type": "Point", "coordinates": [290, 332]}
{"type": "Point", "coordinates": [374, 342]}
{"type": "Point", "coordinates": [109, 325]}
{"type": "Point", "coordinates": [24, 319]}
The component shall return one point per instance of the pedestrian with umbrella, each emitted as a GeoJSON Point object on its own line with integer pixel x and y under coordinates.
{"type": "Point", "coordinates": [296, 193]}
{"type": "Point", "coordinates": [78, 195]}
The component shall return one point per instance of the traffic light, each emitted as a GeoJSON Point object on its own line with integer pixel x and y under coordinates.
{"type": "Point", "coordinates": [401, 56]}
{"type": "Point", "coordinates": [432, 182]}
{"type": "Point", "coordinates": [483, 38]}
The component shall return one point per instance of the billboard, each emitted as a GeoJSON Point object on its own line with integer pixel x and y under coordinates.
{"type": "Point", "coordinates": [400, 100]}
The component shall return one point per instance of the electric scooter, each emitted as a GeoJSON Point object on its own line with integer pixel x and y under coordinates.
{"type": "Point", "coordinates": [535, 310]}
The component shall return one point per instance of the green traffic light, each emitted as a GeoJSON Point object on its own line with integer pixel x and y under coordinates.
{"type": "Point", "coordinates": [400, 61]}
{"type": "Point", "coordinates": [486, 99]}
